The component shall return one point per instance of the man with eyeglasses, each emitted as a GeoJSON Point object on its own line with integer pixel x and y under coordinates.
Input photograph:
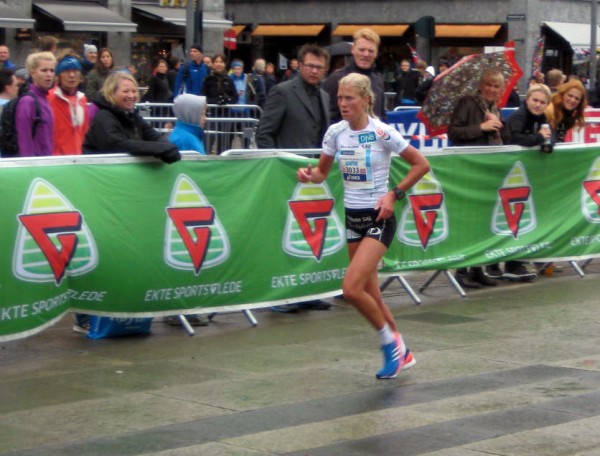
{"type": "Point", "coordinates": [296, 113]}
{"type": "Point", "coordinates": [365, 49]}
{"type": "Point", "coordinates": [296, 116]}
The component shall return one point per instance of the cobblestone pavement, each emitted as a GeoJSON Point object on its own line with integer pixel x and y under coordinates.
{"type": "Point", "coordinates": [507, 370]}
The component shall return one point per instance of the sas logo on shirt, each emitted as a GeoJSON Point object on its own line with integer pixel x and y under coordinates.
{"type": "Point", "coordinates": [364, 138]}
{"type": "Point", "coordinates": [383, 134]}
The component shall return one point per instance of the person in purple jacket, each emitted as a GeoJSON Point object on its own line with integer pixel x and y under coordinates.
{"type": "Point", "coordinates": [41, 67]}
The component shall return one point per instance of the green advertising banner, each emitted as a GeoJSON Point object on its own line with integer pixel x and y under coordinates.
{"type": "Point", "coordinates": [123, 236]}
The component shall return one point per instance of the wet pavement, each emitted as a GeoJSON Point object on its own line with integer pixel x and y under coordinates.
{"type": "Point", "coordinates": [507, 370]}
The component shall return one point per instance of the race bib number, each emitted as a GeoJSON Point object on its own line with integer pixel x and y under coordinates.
{"type": "Point", "coordinates": [356, 168]}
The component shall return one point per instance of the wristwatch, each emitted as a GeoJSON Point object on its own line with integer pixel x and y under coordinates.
{"type": "Point", "coordinates": [399, 193]}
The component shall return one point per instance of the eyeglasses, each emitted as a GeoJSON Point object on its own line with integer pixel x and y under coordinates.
{"type": "Point", "coordinates": [312, 66]}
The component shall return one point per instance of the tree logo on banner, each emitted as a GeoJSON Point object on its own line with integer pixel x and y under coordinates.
{"type": "Point", "coordinates": [313, 228]}
{"type": "Point", "coordinates": [53, 240]}
{"type": "Point", "coordinates": [424, 221]}
{"type": "Point", "coordinates": [590, 195]}
{"type": "Point", "coordinates": [514, 213]}
{"type": "Point", "coordinates": [194, 235]}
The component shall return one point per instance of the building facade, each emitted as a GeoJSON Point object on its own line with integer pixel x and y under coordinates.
{"type": "Point", "coordinates": [462, 26]}
{"type": "Point", "coordinates": [136, 31]}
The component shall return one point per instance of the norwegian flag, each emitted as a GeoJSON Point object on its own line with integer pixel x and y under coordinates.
{"type": "Point", "coordinates": [415, 55]}
{"type": "Point", "coordinates": [230, 39]}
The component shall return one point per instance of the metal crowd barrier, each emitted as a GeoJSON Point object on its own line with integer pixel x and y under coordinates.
{"type": "Point", "coordinates": [227, 126]}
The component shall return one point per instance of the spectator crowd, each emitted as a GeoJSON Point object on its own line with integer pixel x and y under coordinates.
{"type": "Point", "coordinates": [61, 102]}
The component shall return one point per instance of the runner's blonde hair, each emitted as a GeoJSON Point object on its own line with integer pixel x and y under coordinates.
{"type": "Point", "coordinates": [363, 85]}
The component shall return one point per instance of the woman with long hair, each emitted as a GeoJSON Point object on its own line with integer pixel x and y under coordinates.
{"type": "Point", "coordinates": [364, 147]}
{"type": "Point", "coordinates": [158, 86]}
{"type": "Point", "coordinates": [567, 108]}
{"type": "Point", "coordinates": [96, 77]}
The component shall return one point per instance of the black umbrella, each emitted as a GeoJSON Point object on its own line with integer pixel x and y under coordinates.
{"type": "Point", "coordinates": [340, 48]}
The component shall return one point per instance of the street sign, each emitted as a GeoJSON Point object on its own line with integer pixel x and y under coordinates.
{"type": "Point", "coordinates": [516, 17]}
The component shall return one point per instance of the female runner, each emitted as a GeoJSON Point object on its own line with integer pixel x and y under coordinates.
{"type": "Point", "coordinates": [364, 146]}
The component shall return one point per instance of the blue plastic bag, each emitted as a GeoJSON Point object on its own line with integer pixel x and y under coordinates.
{"type": "Point", "coordinates": [103, 327]}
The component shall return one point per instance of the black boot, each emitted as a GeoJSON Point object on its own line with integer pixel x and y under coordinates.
{"type": "Point", "coordinates": [464, 279]}
{"type": "Point", "coordinates": [479, 276]}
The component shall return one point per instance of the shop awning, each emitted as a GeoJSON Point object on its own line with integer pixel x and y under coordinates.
{"type": "Point", "coordinates": [85, 17]}
{"type": "Point", "coordinates": [467, 30]}
{"type": "Point", "coordinates": [288, 30]}
{"type": "Point", "coordinates": [11, 17]}
{"type": "Point", "coordinates": [177, 16]}
{"type": "Point", "coordinates": [239, 28]}
{"type": "Point", "coordinates": [577, 35]}
{"type": "Point", "coordinates": [380, 29]}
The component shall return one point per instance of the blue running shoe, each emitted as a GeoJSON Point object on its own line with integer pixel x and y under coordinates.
{"type": "Point", "coordinates": [394, 362]}
{"type": "Point", "coordinates": [391, 361]}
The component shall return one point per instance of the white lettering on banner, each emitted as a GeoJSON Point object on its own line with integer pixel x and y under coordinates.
{"type": "Point", "coordinates": [49, 304]}
{"type": "Point", "coordinates": [585, 240]}
{"type": "Point", "coordinates": [293, 280]}
{"type": "Point", "coordinates": [46, 305]}
{"type": "Point", "coordinates": [13, 312]}
{"type": "Point", "coordinates": [97, 296]}
{"type": "Point", "coordinates": [284, 281]}
{"type": "Point", "coordinates": [407, 133]}
{"type": "Point", "coordinates": [192, 291]}
{"type": "Point", "coordinates": [530, 248]}
{"type": "Point", "coordinates": [417, 131]}
{"type": "Point", "coordinates": [322, 276]}
{"type": "Point", "coordinates": [428, 262]}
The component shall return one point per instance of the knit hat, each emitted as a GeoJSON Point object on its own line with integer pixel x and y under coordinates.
{"type": "Point", "coordinates": [197, 46]}
{"type": "Point", "coordinates": [88, 48]}
{"type": "Point", "coordinates": [68, 63]}
{"type": "Point", "coordinates": [22, 73]}
{"type": "Point", "coordinates": [237, 63]}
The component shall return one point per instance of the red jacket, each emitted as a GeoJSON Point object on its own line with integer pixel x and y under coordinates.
{"type": "Point", "coordinates": [71, 122]}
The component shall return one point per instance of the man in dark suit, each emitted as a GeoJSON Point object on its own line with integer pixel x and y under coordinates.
{"type": "Point", "coordinates": [296, 114]}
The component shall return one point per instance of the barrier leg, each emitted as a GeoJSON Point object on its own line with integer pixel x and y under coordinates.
{"type": "Point", "coordinates": [585, 263]}
{"type": "Point", "coordinates": [429, 280]}
{"type": "Point", "coordinates": [409, 290]}
{"type": "Point", "coordinates": [248, 313]}
{"type": "Point", "coordinates": [575, 266]}
{"type": "Point", "coordinates": [404, 284]}
{"type": "Point", "coordinates": [456, 285]}
{"type": "Point", "coordinates": [186, 325]}
{"type": "Point", "coordinates": [387, 283]}
{"type": "Point", "coordinates": [450, 278]}
{"type": "Point", "coordinates": [250, 317]}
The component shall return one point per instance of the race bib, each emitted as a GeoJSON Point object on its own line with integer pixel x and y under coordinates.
{"type": "Point", "coordinates": [356, 167]}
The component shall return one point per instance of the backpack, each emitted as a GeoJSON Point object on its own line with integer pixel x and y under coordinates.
{"type": "Point", "coordinates": [9, 143]}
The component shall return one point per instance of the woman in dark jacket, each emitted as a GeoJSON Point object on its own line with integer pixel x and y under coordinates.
{"type": "Point", "coordinates": [158, 87]}
{"type": "Point", "coordinates": [219, 89]}
{"type": "Point", "coordinates": [118, 128]}
{"type": "Point", "coordinates": [218, 86]}
{"type": "Point", "coordinates": [527, 127]}
{"type": "Point", "coordinates": [95, 78]}
{"type": "Point", "coordinates": [525, 124]}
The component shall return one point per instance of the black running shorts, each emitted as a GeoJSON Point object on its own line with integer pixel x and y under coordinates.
{"type": "Point", "coordinates": [361, 223]}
